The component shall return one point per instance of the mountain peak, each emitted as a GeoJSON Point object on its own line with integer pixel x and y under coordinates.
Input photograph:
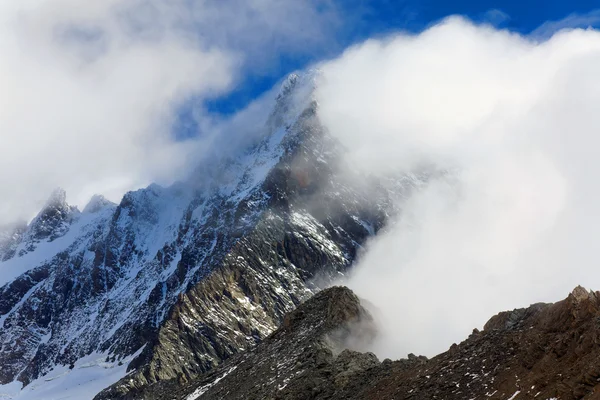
{"type": "Point", "coordinates": [54, 219]}
{"type": "Point", "coordinates": [296, 95]}
{"type": "Point", "coordinates": [97, 203]}
{"type": "Point", "coordinates": [288, 84]}
{"type": "Point", "coordinates": [58, 197]}
{"type": "Point", "coordinates": [295, 82]}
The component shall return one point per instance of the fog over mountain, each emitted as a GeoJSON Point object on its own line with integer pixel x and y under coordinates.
{"type": "Point", "coordinates": [443, 176]}
{"type": "Point", "coordinates": [510, 124]}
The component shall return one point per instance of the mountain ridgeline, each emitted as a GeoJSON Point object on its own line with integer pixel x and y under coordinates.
{"type": "Point", "coordinates": [545, 351]}
{"type": "Point", "coordinates": [183, 277]}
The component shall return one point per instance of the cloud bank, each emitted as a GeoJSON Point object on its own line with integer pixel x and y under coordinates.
{"type": "Point", "coordinates": [513, 124]}
{"type": "Point", "coordinates": [90, 90]}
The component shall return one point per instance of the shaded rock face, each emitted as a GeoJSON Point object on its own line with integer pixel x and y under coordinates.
{"type": "Point", "coordinates": [193, 273]}
{"type": "Point", "coordinates": [302, 359]}
{"type": "Point", "coordinates": [545, 351]}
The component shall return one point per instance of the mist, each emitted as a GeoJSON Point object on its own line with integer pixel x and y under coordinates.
{"type": "Point", "coordinates": [91, 92]}
{"type": "Point", "coordinates": [511, 122]}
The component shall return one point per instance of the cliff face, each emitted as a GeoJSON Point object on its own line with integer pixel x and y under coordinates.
{"type": "Point", "coordinates": [545, 351]}
{"type": "Point", "coordinates": [191, 274]}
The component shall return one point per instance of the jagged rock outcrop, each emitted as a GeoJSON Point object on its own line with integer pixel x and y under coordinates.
{"type": "Point", "coordinates": [545, 351]}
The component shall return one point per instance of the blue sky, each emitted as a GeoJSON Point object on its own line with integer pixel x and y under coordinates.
{"type": "Point", "coordinates": [362, 19]}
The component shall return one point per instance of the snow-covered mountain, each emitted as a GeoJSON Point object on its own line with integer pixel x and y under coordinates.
{"type": "Point", "coordinates": [171, 281]}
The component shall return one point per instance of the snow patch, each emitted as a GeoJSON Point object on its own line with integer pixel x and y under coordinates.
{"type": "Point", "coordinates": [203, 389]}
{"type": "Point", "coordinates": [514, 395]}
{"type": "Point", "coordinates": [88, 377]}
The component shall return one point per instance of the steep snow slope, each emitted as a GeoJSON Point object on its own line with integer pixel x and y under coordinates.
{"type": "Point", "coordinates": [192, 273]}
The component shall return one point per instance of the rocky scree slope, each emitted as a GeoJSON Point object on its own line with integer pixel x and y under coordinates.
{"type": "Point", "coordinates": [545, 351]}
{"type": "Point", "coordinates": [190, 274]}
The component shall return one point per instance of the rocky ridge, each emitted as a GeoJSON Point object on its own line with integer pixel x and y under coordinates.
{"type": "Point", "coordinates": [545, 351]}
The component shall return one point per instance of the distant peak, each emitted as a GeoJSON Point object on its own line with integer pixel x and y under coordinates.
{"type": "Point", "coordinates": [296, 94]}
{"type": "Point", "coordinates": [307, 79]}
{"type": "Point", "coordinates": [54, 219]}
{"type": "Point", "coordinates": [97, 203]}
{"type": "Point", "coordinates": [57, 197]}
{"type": "Point", "coordinates": [290, 81]}
{"type": "Point", "coordinates": [288, 85]}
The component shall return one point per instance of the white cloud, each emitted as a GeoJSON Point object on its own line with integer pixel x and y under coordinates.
{"type": "Point", "coordinates": [89, 89]}
{"type": "Point", "coordinates": [513, 122]}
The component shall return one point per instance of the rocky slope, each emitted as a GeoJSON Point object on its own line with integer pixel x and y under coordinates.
{"type": "Point", "coordinates": [310, 337]}
{"type": "Point", "coordinates": [187, 276]}
{"type": "Point", "coordinates": [545, 351]}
